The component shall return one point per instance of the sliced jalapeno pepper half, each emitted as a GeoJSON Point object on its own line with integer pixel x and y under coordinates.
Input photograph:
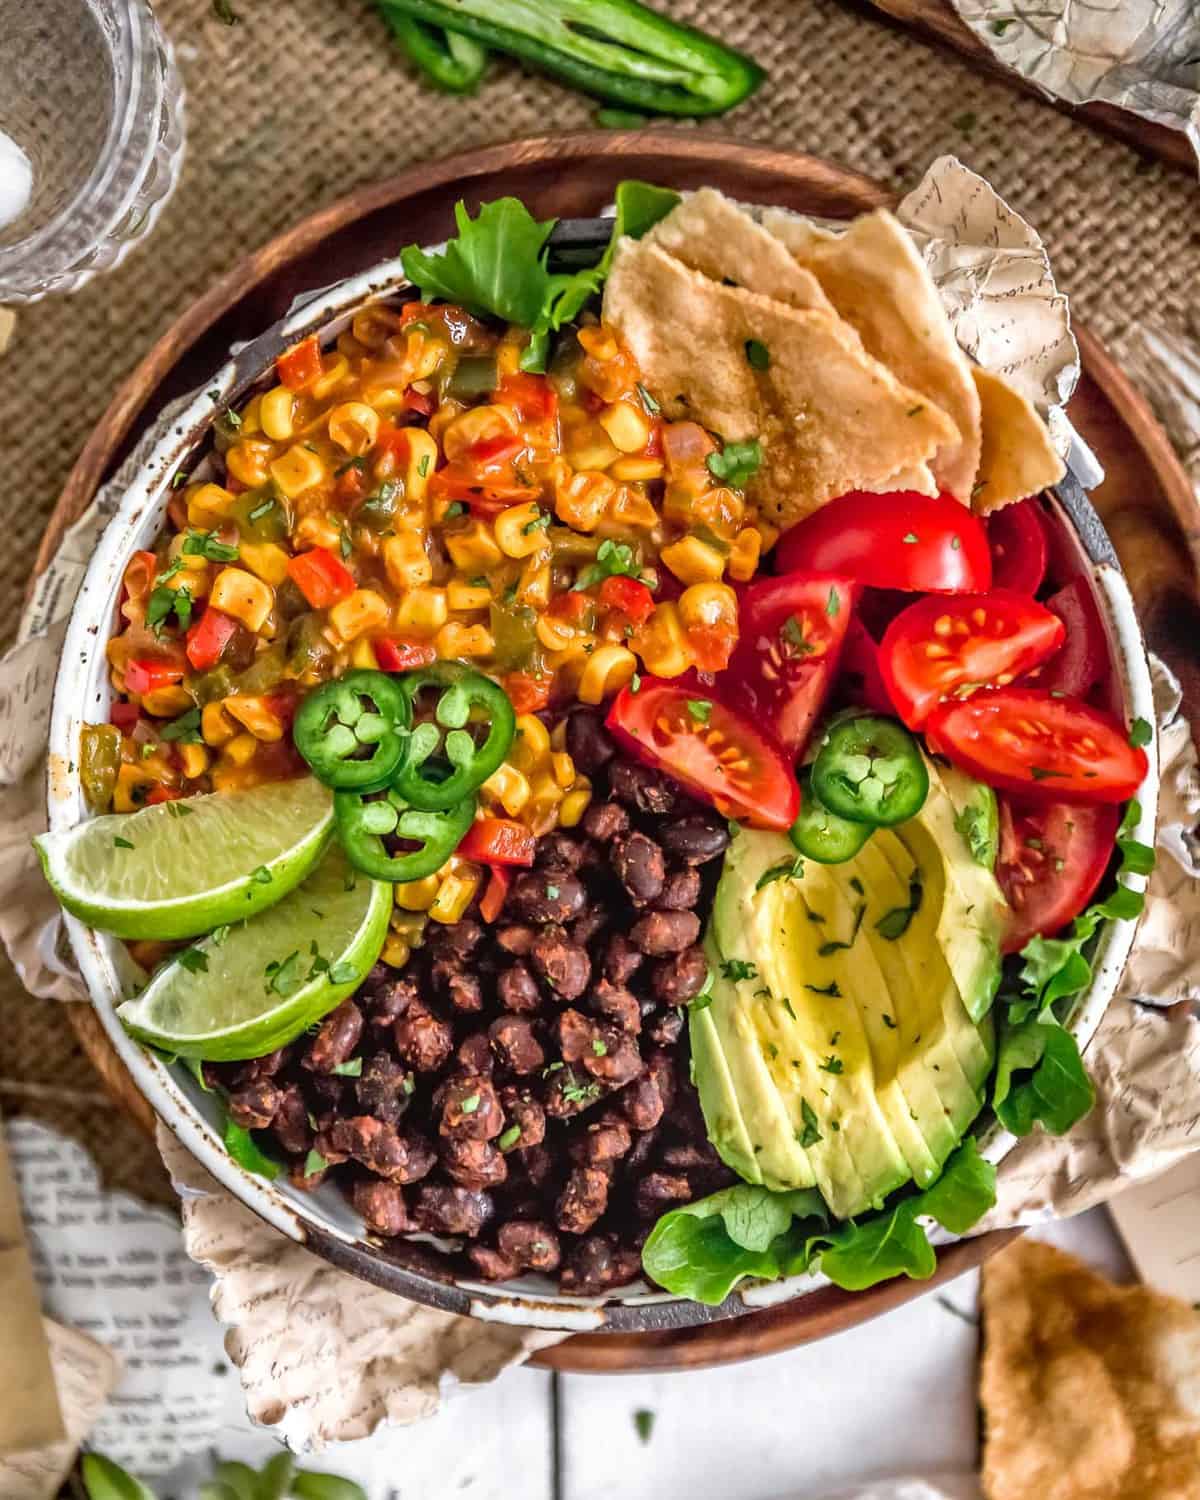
{"type": "Point", "coordinates": [823, 835]}
{"type": "Point", "coordinates": [353, 731]}
{"type": "Point", "coordinates": [362, 825]}
{"type": "Point", "coordinates": [870, 770]}
{"type": "Point", "coordinates": [467, 763]}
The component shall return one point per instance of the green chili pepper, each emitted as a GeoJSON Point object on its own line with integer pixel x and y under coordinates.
{"type": "Point", "coordinates": [470, 763]}
{"type": "Point", "coordinates": [362, 825]}
{"type": "Point", "coordinates": [870, 770]}
{"type": "Point", "coordinates": [616, 50]}
{"type": "Point", "coordinates": [450, 61]}
{"type": "Point", "coordinates": [514, 634]}
{"type": "Point", "coordinates": [363, 711]}
{"type": "Point", "coordinates": [822, 835]}
{"type": "Point", "coordinates": [99, 762]}
{"type": "Point", "coordinates": [261, 515]}
{"type": "Point", "coordinates": [265, 671]}
{"type": "Point", "coordinates": [212, 686]}
{"type": "Point", "coordinates": [473, 375]}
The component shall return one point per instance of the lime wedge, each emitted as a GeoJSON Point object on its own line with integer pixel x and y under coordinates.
{"type": "Point", "coordinates": [247, 989]}
{"type": "Point", "coordinates": [182, 868]}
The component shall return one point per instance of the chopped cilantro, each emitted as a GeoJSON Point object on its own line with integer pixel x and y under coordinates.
{"type": "Point", "coordinates": [613, 560]}
{"type": "Point", "coordinates": [737, 463]}
{"type": "Point", "coordinates": [757, 354]}
{"type": "Point", "coordinates": [833, 603]}
{"type": "Point", "coordinates": [509, 1138]}
{"type": "Point", "coordinates": [811, 1133]}
{"type": "Point", "coordinates": [895, 923]}
{"type": "Point", "coordinates": [700, 709]}
{"type": "Point", "coordinates": [262, 509]}
{"type": "Point", "coordinates": [194, 960]}
{"type": "Point", "coordinates": [262, 876]}
{"type": "Point", "coordinates": [120, 843]}
{"type": "Point", "coordinates": [651, 406]}
{"type": "Point", "coordinates": [643, 1422]}
{"type": "Point", "coordinates": [910, 537]}
{"type": "Point", "coordinates": [736, 969]}
{"type": "Point", "coordinates": [831, 1065]}
{"type": "Point", "coordinates": [1140, 733]}
{"type": "Point", "coordinates": [832, 989]}
{"type": "Point", "coordinates": [314, 1162]}
{"type": "Point", "coordinates": [205, 544]}
{"type": "Point", "coordinates": [469, 1105]}
{"type": "Point", "coordinates": [185, 729]}
{"type": "Point", "coordinates": [351, 1069]}
{"type": "Point", "coordinates": [455, 509]}
{"type": "Point", "coordinates": [788, 869]}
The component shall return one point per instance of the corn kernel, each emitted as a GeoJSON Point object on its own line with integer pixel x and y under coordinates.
{"type": "Point", "coordinates": [317, 530]}
{"type": "Point", "coordinates": [207, 505]}
{"type": "Point", "coordinates": [590, 447]}
{"type": "Point", "coordinates": [132, 788]}
{"type": "Point", "coordinates": [374, 325]}
{"type": "Point", "coordinates": [353, 426]}
{"type": "Point", "coordinates": [456, 639]}
{"type": "Point", "coordinates": [417, 454]}
{"type": "Point", "coordinates": [422, 612]}
{"type": "Point", "coordinates": [266, 560]}
{"type": "Point", "coordinates": [277, 412]}
{"type": "Point", "coordinates": [573, 807]}
{"type": "Point", "coordinates": [194, 759]}
{"type": "Point", "coordinates": [362, 655]}
{"type": "Point", "coordinates": [247, 461]}
{"type": "Point", "coordinates": [473, 549]}
{"type": "Point", "coordinates": [455, 894]}
{"type": "Point", "coordinates": [466, 597]}
{"type": "Point", "coordinates": [396, 951]}
{"type": "Point", "coordinates": [360, 613]}
{"type": "Point", "coordinates": [424, 356]}
{"type": "Point", "coordinates": [608, 669]}
{"type": "Point", "coordinates": [556, 634]}
{"type": "Point", "coordinates": [255, 713]}
{"type": "Point", "coordinates": [637, 470]}
{"type": "Point", "coordinates": [744, 554]}
{"type": "Point", "coordinates": [521, 530]}
{"type": "Point", "coordinates": [406, 562]}
{"type": "Point", "coordinates": [599, 342]}
{"type": "Point", "coordinates": [533, 586]}
{"type": "Point", "coordinates": [215, 725]}
{"type": "Point", "coordinates": [564, 769]}
{"type": "Point", "coordinates": [626, 426]}
{"type": "Point", "coordinates": [661, 643]}
{"type": "Point", "coordinates": [417, 895]}
{"type": "Point", "coordinates": [477, 425]}
{"type": "Point", "coordinates": [581, 500]}
{"type": "Point", "coordinates": [251, 423]}
{"type": "Point", "coordinates": [708, 606]}
{"type": "Point", "coordinates": [243, 596]}
{"type": "Point", "coordinates": [693, 561]}
{"type": "Point", "coordinates": [240, 750]}
{"type": "Point", "coordinates": [297, 470]}
{"type": "Point", "coordinates": [531, 743]}
{"type": "Point", "coordinates": [166, 702]}
{"type": "Point", "coordinates": [334, 369]}
{"type": "Point", "coordinates": [507, 786]}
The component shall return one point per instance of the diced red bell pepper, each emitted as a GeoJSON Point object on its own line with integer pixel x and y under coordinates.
{"type": "Point", "coordinates": [571, 605]}
{"type": "Point", "coordinates": [423, 403]}
{"type": "Point", "coordinates": [144, 676]}
{"type": "Point", "coordinates": [162, 793]}
{"type": "Point", "coordinates": [494, 452]}
{"type": "Point", "coordinates": [532, 397]}
{"type": "Point", "coordinates": [299, 365]}
{"type": "Point", "coordinates": [528, 693]}
{"type": "Point", "coordinates": [349, 487]}
{"type": "Point", "coordinates": [486, 497]}
{"type": "Point", "coordinates": [396, 655]}
{"type": "Point", "coordinates": [628, 595]}
{"type": "Point", "coordinates": [494, 897]}
{"type": "Point", "coordinates": [124, 716]}
{"type": "Point", "coordinates": [498, 841]}
{"type": "Point", "coordinates": [321, 577]}
{"type": "Point", "coordinates": [208, 637]}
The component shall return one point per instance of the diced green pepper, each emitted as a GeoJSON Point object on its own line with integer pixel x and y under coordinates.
{"type": "Point", "coordinates": [99, 762]}
{"type": "Point", "coordinates": [449, 60]}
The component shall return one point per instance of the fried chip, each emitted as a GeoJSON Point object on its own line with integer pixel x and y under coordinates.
{"type": "Point", "coordinates": [1090, 1391]}
{"type": "Point", "coordinates": [829, 417]}
{"type": "Point", "coordinates": [711, 234]}
{"type": "Point", "coordinates": [1018, 458]}
{"type": "Point", "coordinates": [876, 280]}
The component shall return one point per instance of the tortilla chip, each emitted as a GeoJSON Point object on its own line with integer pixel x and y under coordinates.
{"type": "Point", "coordinates": [876, 280]}
{"type": "Point", "coordinates": [829, 417]}
{"type": "Point", "coordinates": [1090, 1391]}
{"type": "Point", "coordinates": [1018, 458]}
{"type": "Point", "coordinates": [713, 235]}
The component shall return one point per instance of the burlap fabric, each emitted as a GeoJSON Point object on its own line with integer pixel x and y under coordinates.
{"type": "Point", "coordinates": [299, 103]}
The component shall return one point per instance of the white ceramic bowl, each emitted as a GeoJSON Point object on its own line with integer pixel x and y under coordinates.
{"type": "Point", "coordinates": [324, 1220]}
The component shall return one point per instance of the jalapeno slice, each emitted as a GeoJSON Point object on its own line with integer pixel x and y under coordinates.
{"type": "Point", "coordinates": [352, 731]}
{"type": "Point", "coordinates": [870, 770]}
{"type": "Point", "coordinates": [822, 835]}
{"type": "Point", "coordinates": [444, 763]}
{"type": "Point", "coordinates": [362, 825]}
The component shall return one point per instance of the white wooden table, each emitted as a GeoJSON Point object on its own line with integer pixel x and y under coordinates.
{"type": "Point", "coordinates": [892, 1397]}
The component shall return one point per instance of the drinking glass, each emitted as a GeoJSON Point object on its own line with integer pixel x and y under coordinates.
{"type": "Point", "coordinates": [91, 138]}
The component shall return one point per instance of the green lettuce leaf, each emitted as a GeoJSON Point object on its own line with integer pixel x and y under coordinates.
{"type": "Point", "coordinates": [495, 266]}
{"type": "Point", "coordinates": [105, 1480]}
{"type": "Point", "coordinates": [1040, 1079]}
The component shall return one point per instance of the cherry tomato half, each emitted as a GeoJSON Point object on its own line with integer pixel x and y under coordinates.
{"type": "Point", "coordinates": [1017, 536]}
{"type": "Point", "coordinates": [679, 728]}
{"type": "Point", "coordinates": [790, 639]}
{"type": "Point", "coordinates": [943, 643]}
{"type": "Point", "coordinates": [1028, 741]}
{"type": "Point", "coordinates": [1083, 660]}
{"type": "Point", "coordinates": [1053, 855]}
{"type": "Point", "coordinates": [920, 543]}
{"type": "Point", "coordinates": [860, 680]}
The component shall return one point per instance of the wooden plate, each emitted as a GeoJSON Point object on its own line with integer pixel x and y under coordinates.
{"type": "Point", "coordinates": [1147, 501]}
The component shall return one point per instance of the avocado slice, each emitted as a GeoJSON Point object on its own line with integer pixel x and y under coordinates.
{"type": "Point", "coordinates": [837, 1053]}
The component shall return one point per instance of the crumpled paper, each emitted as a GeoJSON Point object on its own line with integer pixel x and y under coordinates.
{"type": "Point", "coordinates": [1138, 54]}
{"type": "Point", "coordinates": [356, 1357]}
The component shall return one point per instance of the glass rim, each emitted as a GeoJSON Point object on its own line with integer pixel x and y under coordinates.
{"type": "Point", "coordinates": [130, 52]}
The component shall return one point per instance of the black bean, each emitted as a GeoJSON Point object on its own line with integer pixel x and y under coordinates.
{"type": "Point", "coordinates": [583, 1200]}
{"type": "Point", "coordinates": [423, 1040]}
{"type": "Point", "coordinates": [253, 1106]}
{"type": "Point", "coordinates": [382, 1148]}
{"type": "Point", "coordinates": [517, 989]}
{"type": "Point", "coordinates": [680, 978]}
{"type": "Point", "coordinates": [546, 896]}
{"type": "Point", "coordinates": [452, 1210]}
{"type": "Point", "coordinates": [598, 1264]}
{"type": "Point", "coordinates": [621, 959]}
{"type": "Point", "coordinates": [680, 891]}
{"type": "Point", "coordinates": [562, 851]}
{"type": "Point", "coordinates": [335, 1042]}
{"type": "Point", "coordinates": [382, 1206]}
{"type": "Point", "coordinates": [663, 932]}
{"type": "Point", "coordinates": [588, 742]}
{"type": "Point", "coordinates": [658, 1191]}
{"type": "Point", "coordinates": [605, 820]}
{"type": "Point", "coordinates": [641, 787]}
{"type": "Point", "coordinates": [563, 966]}
{"type": "Point", "coordinates": [470, 1107]}
{"type": "Point", "coordinates": [516, 1045]}
{"type": "Point", "coordinates": [474, 1053]}
{"type": "Point", "coordinates": [695, 839]}
{"type": "Point", "coordinates": [617, 1004]}
{"type": "Point", "coordinates": [456, 940]}
{"type": "Point", "coordinates": [665, 1028]}
{"type": "Point", "coordinates": [533, 1245]}
{"type": "Point", "coordinates": [640, 867]}
{"type": "Point", "coordinates": [491, 1264]}
{"type": "Point", "coordinates": [472, 1163]}
{"type": "Point", "coordinates": [384, 1088]}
